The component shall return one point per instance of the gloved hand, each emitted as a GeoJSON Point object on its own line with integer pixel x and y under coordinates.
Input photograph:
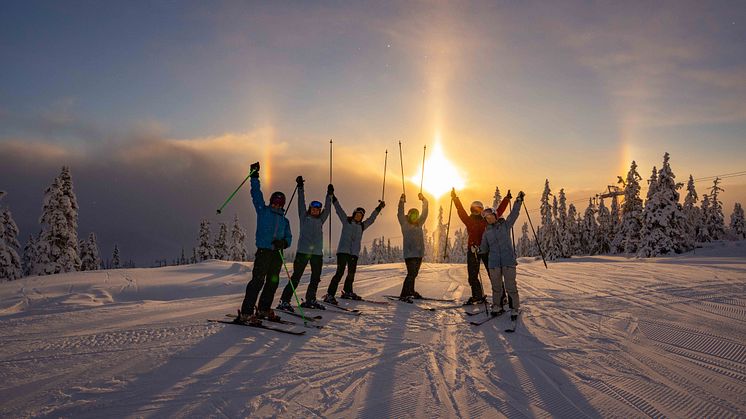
{"type": "Point", "coordinates": [299, 181]}
{"type": "Point", "coordinates": [403, 198]}
{"type": "Point", "coordinates": [509, 196]}
{"type": "Point", "coordinates": [255, 170]}
{"type": "Point", "coordinates": [420, 196]}
{"type": "Point", "coordinates": [521, 195]}
{"type": "Point", "coordinates": [380, 206]}
{"type": "Point", "coordinates": [279, 244]}
{"type": "Point", "coordinates": [330, 189]}
{"type": "Point", "coordinates": [453, 193]}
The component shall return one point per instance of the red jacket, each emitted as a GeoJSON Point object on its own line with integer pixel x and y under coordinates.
{"type": "Point", "coordinates": [475, 224]}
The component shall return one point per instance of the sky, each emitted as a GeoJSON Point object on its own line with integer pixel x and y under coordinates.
{"type": "Point", "coordinates": [160, 107]}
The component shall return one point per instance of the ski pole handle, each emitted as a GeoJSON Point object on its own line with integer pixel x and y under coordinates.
{"type": "Point", "coordinates": [220, 210]}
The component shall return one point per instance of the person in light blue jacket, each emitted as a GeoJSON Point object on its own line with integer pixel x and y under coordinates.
{"type": "Point", "coordinates": [414, 244]}
{"type": "Point", "coordinates": [502, 263]}
{"type": "Point", "coordinates": [310, 248]}
{"type": "Point", "coordinates": [272, 237]}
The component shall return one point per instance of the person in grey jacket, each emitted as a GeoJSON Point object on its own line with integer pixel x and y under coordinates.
{"type": "Point", "coordinates": [414, 244]}
{"type": "Point", "coordinates": [502, 264]}
{"type": "Point", "coordinates": [348, 248]}
{"type": "Point", "coordinates": [310, 248]}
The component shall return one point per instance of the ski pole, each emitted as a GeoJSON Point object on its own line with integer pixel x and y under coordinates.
{"type": "Point", "coordinates": [330, 182]}
{"type": "Point", "coordinates": [220, 210]}
{"type": "Point", "coordinates": [290, 280]}
{"type": "Point", "coordinates": [385, 163]}
{"type": "Point", "coordinates": [535, 238]}
{"type": "Point", "coordinates": [401, 160]}
{"type": "Point", "coordinates": [448, 228]}
{"type": "Point", "coordinates": [422, 176]}
{"type": "Point", "coordinates": [285, 210]}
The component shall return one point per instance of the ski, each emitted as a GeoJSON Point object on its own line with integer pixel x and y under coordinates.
{"type": "Point", "coordinates": [491, 317]}
{"type": "Point", "coordinates": [261, 326]}
{"type": "Point", "coordinates": [428, 308]}
{"type": "Point", "coordinates": [292, 313]}
{"type": "Point", "coordinates": [315, 326]}
{"type": "Point", "coordinates": [473, 313]}
{"type": "Point", "coordinates": [385, 303]}
{"type": "Point", "coordinates": [342, 310]}
{"type": "Point", "coordinates": [425, 299]}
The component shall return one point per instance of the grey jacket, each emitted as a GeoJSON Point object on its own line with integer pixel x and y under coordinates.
{"type": "Point", "coordinates": [414, 241]}
{"type": "Point", "coordinates": [352, 232]}
{"type": "Point", "coordinates": [496, 240]}
{"type": "Point", "coordinates": [311, 238]}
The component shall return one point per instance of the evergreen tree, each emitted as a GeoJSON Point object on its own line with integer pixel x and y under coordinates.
{"type": "Point", "coordinates": [565, 238]}
{"type": "Point", "coordinates": [615, 218]}
{"type": "Point", "coordinates": [221, 246]}
{"type": "Point", "coordinates": [589, 230]}
{"type": "Point", "coordinates": [115, 260]}
{"type": "Point", "coordinates": [90, 259]}
{"type": "Point", "coordinates": [737, 226]}
{"type": "Point", "coordinates": [10, 262]}
{"type": "Point", "coordinates": [429, 246]}
{"type": "Point", "coordinates": [29, 255]}
{"type": "Point", "coordinates": [547, 233]}
{"type": "Point", "coordinates": [497, 198]}
{"type": "Point", "coordinates": [604, 236]}
{"type": "Point", "coordinates": [457, 252]}
{"type": "Point", "coordinates": [194, 256]}
{"type": "Point", "coordinates": [692, 214]}
{"type": "Point", "coordinates": [703, 231]}
{"type": "Point", "coordinates": [364, 257]}
{"type": "Point", "coordinates": [440, 237]}
{"type": "Point", "coordinates": [628, 238]}
{"type": "Point", "coordinates": [58, 242]}
{"type": "Point", "coordinates": [237, 251]}
{"type": "Point", "coordinates": [715, 220]}
{"type": "Point", "coordinates": [573, 231]}
{"type": "Point", "coordinates": [182, 258]}
{"type": "Point", "coordinates": [204, 248]}
{"type": "Point", "coordinates": [525, 247]}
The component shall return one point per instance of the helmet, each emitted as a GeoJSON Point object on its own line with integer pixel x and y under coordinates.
{"type": "Point", "coordinates": [477, 204]}
{"type": "Point", "coordinates": [488, 211]}
{"type": "Point", "coordinates": [361, 210]}
{"type": "Point", "coordinates": [413, 214]}
{"type": "Point", "coordinates": [277, 198]}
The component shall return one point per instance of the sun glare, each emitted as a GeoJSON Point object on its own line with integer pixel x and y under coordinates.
{"type": "Point", "coordinates": [440, 174]}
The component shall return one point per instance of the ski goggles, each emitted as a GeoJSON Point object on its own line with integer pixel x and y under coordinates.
{"type": "Point", "coordinates": [487, 212]}
{"type": "Point", "coordinates": [315, 204]}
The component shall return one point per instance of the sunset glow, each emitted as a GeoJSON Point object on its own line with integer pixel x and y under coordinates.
{"type": "Point", "coordinates": [440, 174]}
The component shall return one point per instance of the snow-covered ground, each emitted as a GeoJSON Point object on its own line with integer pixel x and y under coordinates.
{"type": "Point", "coordinates": [599, 336]}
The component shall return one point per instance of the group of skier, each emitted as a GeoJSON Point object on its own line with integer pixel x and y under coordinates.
{"type": "Point", "coordinates": [488, 239]}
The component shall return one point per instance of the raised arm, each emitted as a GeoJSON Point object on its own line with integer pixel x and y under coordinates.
{"type": "Point", "coordinates": [400, 211]}
{"type": "Point", "coordinates": [257, 198]}
{"type": "Point", "coordinates": [460, 209]}
{"type": "Point", "coordinates": [301, 199]}
{"type": "Point", "coordinates": [327, 208]}
{"type": "Point", "coordinates": [516, 210]}
{"type": "Point", "coordinates": [373, 215]}
{"type": "Point", "coordinates": [340, 212]}
{"type": "Point", "coordinates": [424, 212]}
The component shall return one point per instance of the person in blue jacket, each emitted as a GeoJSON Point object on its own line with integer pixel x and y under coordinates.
{"type": "Point", "coordinates": [272, 237]}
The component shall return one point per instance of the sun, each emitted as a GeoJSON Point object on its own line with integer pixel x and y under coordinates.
{"type": "Point", "coordinates": [440, 174]}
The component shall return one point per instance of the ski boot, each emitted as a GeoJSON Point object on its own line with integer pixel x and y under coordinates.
{"type": "Point", "coordinates": [406, 299]}
{"type": "Point", "coordinates": [312, 304]}
{"type": "Point", "coordinates": [329, 299]}
{"type": "Point", "coordinates": [350, 296]}
{"type": "Point", "coordinates": [473, 301]}
{"type": "Point", "coordinates": [285, 305]}
{"type": "Point", "coordinates": [245, 318]}
{"type": "Point", "coordinates": [416, 296]}
{"type": "Point", "coordinates": [497, 310]}
{"type": "Point", "coordinates": [514, 314]}
{"type": "Point", "coordinates": [269, 315]}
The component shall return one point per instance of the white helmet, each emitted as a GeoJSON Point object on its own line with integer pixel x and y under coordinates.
{"type": "Point", "coordinates": [477, 204]}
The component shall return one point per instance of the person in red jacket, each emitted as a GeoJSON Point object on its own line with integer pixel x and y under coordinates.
{"type": "Point", "coordinates": [475, 225]}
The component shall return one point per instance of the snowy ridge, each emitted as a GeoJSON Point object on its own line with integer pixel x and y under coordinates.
{"type": "Point", "coordinates": [599, 336]}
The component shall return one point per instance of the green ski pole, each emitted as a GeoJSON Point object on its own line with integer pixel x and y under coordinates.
{"type": "Point", "coordinates": [297, 300]}
{"type": "Point", "coordinates": [220, 210]}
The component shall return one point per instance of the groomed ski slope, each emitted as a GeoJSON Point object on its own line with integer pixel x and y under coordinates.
{"type": "Point", "coordinates": [599, 337]}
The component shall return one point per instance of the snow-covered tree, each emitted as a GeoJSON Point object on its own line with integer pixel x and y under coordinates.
{"type": "Point", "coordinates": [58, 242]}
{"type": "Point", "coordinates": [457, 252]}
{"type": "Point", "coordinates": [237, 251]}
{"type": "Point", "coordinates": [615, 219]}
{"type": "Point", "coordinates": [220, 248]}
{"type": "Point", "coordinates": [525, 246]}
{"type": "Point", "coordinates": [714, 217]}
{"type": "Point", "coordinates": [589, 230]}
{"type": "Point", "coordinates": [574, 230]}
{"type": "Point", "coordinates": [692, 214]}
{"type": "Point", "coordinates": [364, 258]}
{"type": "Point", "coordinates": [628, 237]}
{"type": "Point", "coordinates": [204, 248]}
{"type": "Point", "coordinates": [439, 237]}
{"type": "Point", "coordinates": [737, 226]}
{"type": "Point", "coordinates": [497, 198]}
{"type": "Point", "coordinates": [182, 258]}
{"type": "Point", "coordinates": [90, 259]}
{"type": "Point", "coordinates": [116, 262]}
{"type": "Point", "coordinates": [29, 256]}
{"type": "Point", "coordinates": [547, 233]}
{"type": "Point", "coordinates": [565, 237]}
{"type": "Point", "coordinates": [703, 232]}
{"type": "Point", "coordinates": [603, 236]}
{"type": "Point", "coordinates": [194, 256]}
{"type": "Point", "coordinates": [10, 262]}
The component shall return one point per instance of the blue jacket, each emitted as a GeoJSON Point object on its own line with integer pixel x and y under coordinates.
{"type": "Point", "coordinates": [496, 240]}
{"type": "Point", "coordinates": [311, 236]}
{"type": "Point", "coordinates": [271, 223]}
{"type": "Point", "coordinates": [414, 240]}
{"type": "Point", "coordinates": [352, 232]}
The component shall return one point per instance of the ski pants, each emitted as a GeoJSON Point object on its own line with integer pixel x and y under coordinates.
{"type": "Point", "coordinates": [472, 268]}
{"type": "Point", "coordinates": [413, 268]}
{"type": "Point", "coordinates": [506, 275]}
{"type": "Point", "coordinates": [344, 260]}
{"type": "Point", "coordinates": [264, 277]}
{"type": "Point", "coordinates": [299, 266]}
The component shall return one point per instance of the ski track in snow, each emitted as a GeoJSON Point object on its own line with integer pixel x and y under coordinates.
{"type": "Point", "coordinates": [598, 337]}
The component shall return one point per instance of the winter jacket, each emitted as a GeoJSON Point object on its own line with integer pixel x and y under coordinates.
{"type": "Point", "coordinates": [475, 224]}
{"type": "Point", "coordinates": [352, 232]}
{"type": "Point", "coordinates": [496, 240]}
{"type": "Point", "coordinates": [271, 223]}
{"type": "Point", "coordinates": [414, 242]}
{"type": "Point", "coordinates": [311, 237]}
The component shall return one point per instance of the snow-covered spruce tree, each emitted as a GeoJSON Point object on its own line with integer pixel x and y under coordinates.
{"type": "Point", "coordinates": [604, 236]}
{"type": "Point", "coordinates": [649, 231]}
{"type": "Point", "coordinates": [574, 231]}
{"type": "Point", "coordinates": [204, 248]}
{"type": "Point", "coordinates": [58, 242]}
{"type": "Point", "coordinates": [692, 214]}
{"type": "Point", "coordinates": [703, 231]}
{"type": "Point", "coordinates": [496, 198]}
{"type": "Point", "coordinates": [440, 237]}
{"type": "Point", "coordinates": [628, 237]}
{"type": "Point", "coordinates": [221, 246]}
{"type": "Point", "coordinates": [182, 258]}
{"type": "Point", "coordinates": [90, 259]}
{"type": "Point", "coordinates": [565, 238]}
{"type": "Point", "coordinates": [116, 261]}
{"type": "Point", "coordinates": [589, 230]}
{"type": "Point", "coordinates": [364, 257]}
{"type": "Point", "coordinates": [524, 246]}
{"type": "Point", "coordinates": [237, 251]}
{"type": "Point", "coordinates": [194, 256]}
{"type": "Point", "coordinates": [715, 219]}
{"type": "Point", "coordinates": [668, 189]}
{"type": "Point", "coordinates": [10, 262]}
{"type": "Point", "coordinates": [737, 226]}
{"type": "Point", "coordinates": [615, 218]}
{"type": "Point", "coordinates": [547, 231]}
{"type": "Point", "coordinates": [29, 256]}
{"type": "Point", "coordinates": [457, 253]}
